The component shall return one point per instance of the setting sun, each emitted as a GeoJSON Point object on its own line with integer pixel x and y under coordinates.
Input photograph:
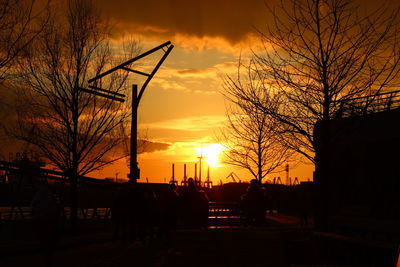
{"type": "Point", "coordinates": [211, 154]}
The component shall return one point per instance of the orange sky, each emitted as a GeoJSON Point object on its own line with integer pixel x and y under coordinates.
{"type": "Point", "coordinates": [182, 106]}
{"type": "Point", "coordinates": [183, 109]}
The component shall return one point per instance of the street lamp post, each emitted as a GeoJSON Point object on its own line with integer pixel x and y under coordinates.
{"type": "Point", "coordinates": [133, 163]}
{"type": "Point", "coordinates": [133, 168]}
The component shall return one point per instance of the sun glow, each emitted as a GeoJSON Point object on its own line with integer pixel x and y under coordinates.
{"type": "Point", "coordinates": [211, 154]}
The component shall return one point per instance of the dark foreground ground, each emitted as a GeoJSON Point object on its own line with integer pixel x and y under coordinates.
{"type": "Point", "coordinates": [282, 243]}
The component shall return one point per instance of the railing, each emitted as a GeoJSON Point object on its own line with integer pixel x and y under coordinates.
{"type": "Point", "coordinates": [221, 214]}
{"type": "Point", "coordinates": [16, 213]}
{"type": "Point", "coordinates": [224, 214]}
{"type": "Point", "coordinates": [369, 104]}
{"type": "Point", "coordinates": [21, 168]}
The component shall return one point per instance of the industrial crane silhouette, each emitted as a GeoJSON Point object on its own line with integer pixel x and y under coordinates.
{"type": "Point", "coordinates": [136, 97]}
{"type": "Point", "coordinates": [234, 177]}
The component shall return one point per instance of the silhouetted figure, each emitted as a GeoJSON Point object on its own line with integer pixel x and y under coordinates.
{"type": "Point", "coordinates": [169, 206]}
{"type": "Point", "coordinates": [194, 205]}
{"type": "Point", "coordinates": [203, 209]}
{"type": "Point", "coordinates": [273, 196]}
{"type": "Point", "coordinates": [45, 218]}
{"type": "Point", "coordinates": [134, 201]}
{"type": "Point", "coordinates": [270, 206]}
{"type": "Point", "coordinates": [147, 214]}
{"type": "Point", "coordinates": [253, 204]}
{"type": "Point", "coordinates": [133, 213]}
{"type": "Point", "coordinates": [120, 210]}
{"type": "Point", "coordinates": [304, 202]}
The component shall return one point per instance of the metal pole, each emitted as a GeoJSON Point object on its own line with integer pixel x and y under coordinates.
{"type": "Point", "coordinates": [208, 177]}
{"type": "Point", "coordinates": [173, 173]}
{"type": "Point", "coordinates": [130, 61]}
{"type": "Point", "coordinates": [184, 174]}
{"type": "Point", "coordinates": [133, 168]}
{"type": "Point", "coordinates": [287, 174]}
{"type": "Point", "coordinates": [200, 173]}
{"type": "Point", "coordinates": [195, 173]}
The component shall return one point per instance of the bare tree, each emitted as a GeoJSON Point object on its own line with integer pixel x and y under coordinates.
{"type": "Point", "coordinates": [18, 28]}
{"type": "Point", "coordinates": [252, 135]}
{"type": "Point", "coordinates": [74, 130]}
{"type": "Point", "coordinates": [317, 54]}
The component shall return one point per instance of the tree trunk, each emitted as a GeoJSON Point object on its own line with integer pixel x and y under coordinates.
{"type": "Point", "coordinates": [321, 164]}
{"type": "Point", "coordinates": [260, 162]}
{"type": "Point", "coordinates": [74, 202]}
{"type": "Point", "coordinates": [75, 163]}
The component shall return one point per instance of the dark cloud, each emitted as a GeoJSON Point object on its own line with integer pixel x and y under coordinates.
{"type": "Point", "coordinates": [191, 71]}
{"type": "Point", "coordinates": [230, 19]}
{"type": "Point", "coordinates": [150, 146]}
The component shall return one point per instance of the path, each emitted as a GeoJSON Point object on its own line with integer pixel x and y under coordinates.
{"type": "Point", "coordinates": [220, 247]}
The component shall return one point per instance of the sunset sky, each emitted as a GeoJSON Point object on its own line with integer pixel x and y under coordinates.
{"type": "Point", "coordinates": [183, 107]}
{"type": "Point", "coordinates": [183, 111]}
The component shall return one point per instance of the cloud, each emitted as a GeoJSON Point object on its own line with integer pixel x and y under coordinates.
{"type": "Point", "coordinates": [199, 24]}
{"type": "Point", "coordinates": [185, 130]}
{"type": "Point", "coordinates": [192, 71]}
{"type": "Point", "coordinates": [199, 80]}
{"type": "Point", "coordinates": [231, 20]}
{"type": "Point", "coordinates": [150, 146]}
{"type": "Point", "coordinates": [200, 123]}
{"type": "Point", "coordinates": [212, 71]}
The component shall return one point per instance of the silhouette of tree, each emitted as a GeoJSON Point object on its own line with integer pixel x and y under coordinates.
{"type": "Point", "coordinates": [74, 130]}
{"type": "Point", "coordinates": [18, 28]}
{"type": "Point", "coordinates": [252, 135]}
{"type": "Point", "coordinates": [316, 54]}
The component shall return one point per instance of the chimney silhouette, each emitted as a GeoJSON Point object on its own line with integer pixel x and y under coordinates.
{"type": "Point", "coordinates": [184, 174]}
{"type": "Point", "coordinates": [173, 173]}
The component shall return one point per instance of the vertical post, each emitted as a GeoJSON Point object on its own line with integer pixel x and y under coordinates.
{"type": "Point", "coordinates": [173, 174]}
{"type": "Point", "coordinates": [208, 177]}
{"type": "Point", "coordinates": [133, 168]}
{"type": "Point", "coordinates": [184, 174]}
{"type": "Point", "coordinates": [195, 173]}
{"type": "Point", "coordinates": [200, 173]}
{"type": "Point", "coordinates": [287, 174]}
